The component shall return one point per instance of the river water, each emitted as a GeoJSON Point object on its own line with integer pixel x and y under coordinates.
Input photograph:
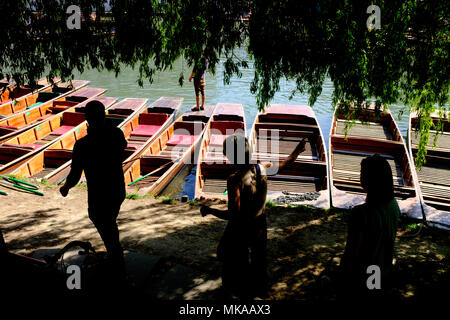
{"type": "Point", "coordinates": [238, 91]}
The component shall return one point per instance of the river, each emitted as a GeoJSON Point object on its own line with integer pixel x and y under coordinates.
{"type": "Point", "coordinates": [238, 91]}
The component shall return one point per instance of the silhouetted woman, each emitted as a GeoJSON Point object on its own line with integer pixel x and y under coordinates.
{"type": "Point", "coordinates": [372, 227]}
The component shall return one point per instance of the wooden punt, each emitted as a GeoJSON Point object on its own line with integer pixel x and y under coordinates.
{"type": "Point", "coordinates": [213, 168]}
{"type": "Point", "coordinates": [275, 134]}
{"type": "Point", "coordinates": [139, 130]}
{"type": "Point", "coordinates": [168, 153]}
{"type": "Point", "coordinates": [36, 99]}
{"type": "Point", "coordinates": [21, 121]}
{"type": "Point", "coordinates": [434, 176]}
{"type": "Point", "coordinates": [53, 163]}
{"type": "Point", "coordinates": [369, 135]}
{"type": "Point", "coordinates": [19, 97]}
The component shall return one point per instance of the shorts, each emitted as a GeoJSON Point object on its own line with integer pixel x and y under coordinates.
{"type": "Point", "coordinates": [199, 86]}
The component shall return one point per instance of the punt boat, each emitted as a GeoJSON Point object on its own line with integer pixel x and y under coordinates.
{"type": "Point", "coordinates": [370, 134]}
{"type": "Point", "coordinates": [53, 163]}
{"type": "Point", "coordinates": [15, 97]}
{"type": "Point", "coordinates": [275, 133]}
{"type": "Point", "coordinates": [168, 153]}
{"type": "Point", "coordinates": [37, 98]}
{"type": "Point", "coordinates": [23, 120]}
{"type": "Point", "coordinates": [213, 167]}
{"type": "Point", "coordinates": [434, 176]}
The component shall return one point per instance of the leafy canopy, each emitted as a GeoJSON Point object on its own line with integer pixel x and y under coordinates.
{"type": "Point", "coordinates": [305, 41]}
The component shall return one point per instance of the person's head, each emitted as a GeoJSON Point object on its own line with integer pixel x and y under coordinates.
{"type": "Point", "coordinates": [237, 149]}
{"type": "Point", "coordinates": [376, 179]}
{"type": "Point", "coordinates": [95, 115]}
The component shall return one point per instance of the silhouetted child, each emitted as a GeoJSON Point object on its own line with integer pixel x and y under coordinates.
{"type": "Point", "coordinates": [199, 82]}
{"type": "Point", "coordinates": [372, 229]}
{"type": "Point", "coordinates": [242, 248]}
{"type": "Point", "coordinates": [99, 154]}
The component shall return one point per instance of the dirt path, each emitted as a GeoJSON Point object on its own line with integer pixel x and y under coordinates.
{"type": "Point", "coordinates": [304, 246]}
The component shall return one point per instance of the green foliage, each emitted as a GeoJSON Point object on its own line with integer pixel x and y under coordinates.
{"type": "Point", "coordinates": [270, 204]}
{"type": "Point", "coordinates": [305, 41]}
{"type": "Point", "coordinates": [192, 202]}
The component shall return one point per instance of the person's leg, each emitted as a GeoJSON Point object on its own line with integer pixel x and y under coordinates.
{"type": "Point", "coordinates": [197, 95]}
{"type": "Point", "coordinates": [258, 257]}
{"type": "Point", "coordinates": [202, 90]}
{"type": "Point", "coordinates": [106, 225]}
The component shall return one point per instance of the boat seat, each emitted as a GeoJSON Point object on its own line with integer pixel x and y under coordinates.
{"type": "Point", "coordinates": [28, 146]}
{"type": "Point", "coordinates": [192, 127]}
{"type": "Point", "coordinates": [146, 130]}
{"type": "Point", "coordinates": [6, 101]}
{"type": "Point", "coordinates": [226, 127]}
{"type": "Point", "coordinates": [8, 128]}
{"type": "Point", "coordinates": [217, 139]}
{"type": "Point", "coordinates": [45, 116]}
{"type": "Point", "coordinates": [73, 118]}
{"type": "Point", "coordinates": [62, 130]}
{"type": "Point", "coordinates": [57, 157]}
{"type": "Point", "coordinates": [153, 118]}
{"type": "Point", "coordinates": [46, 96]}
{"type": "Point", "coordinates": [182, 139]}
{"type": "Point", "coordinates": [133, 146]}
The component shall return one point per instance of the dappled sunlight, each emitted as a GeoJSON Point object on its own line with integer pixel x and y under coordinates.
{"type": "Point", "coordinates": [304, 245]}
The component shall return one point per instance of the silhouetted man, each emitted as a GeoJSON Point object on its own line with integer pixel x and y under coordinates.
{"type": "Point", "coordinates": [99, 154]}
{"type": "Point", "coordinates": [242, 248]}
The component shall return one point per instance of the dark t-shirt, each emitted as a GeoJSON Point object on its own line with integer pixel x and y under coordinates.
{"type": "Point", "coordinates": [375, 228]}
{"type": "Point", "coordinates": [200, 70]}
{"type": "Point", "coordinates": [100, 156]}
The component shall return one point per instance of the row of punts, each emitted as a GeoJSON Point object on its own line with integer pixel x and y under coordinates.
{"type": "Point", "coordinates": [37, 137]}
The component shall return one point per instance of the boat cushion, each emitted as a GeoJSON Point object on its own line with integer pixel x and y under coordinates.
{"type": "Point", "coordinates": [146, 130]}
{"type": "Point", "coordinates": [73, 118]}
{"type": "Point", "coordinates": [217, 139]}
{"type": "Point", "coordinates": [28, 146]}
{"type": "Point", "coordinates": [153, 118]}
{"type": "Point", "coordinates": [133, 146]}
{"type": "Point", "coordinates": [182, 139]}
{"type": "Point", "coordinates": [6, 101]}
{"type": "Point", "coordinates": [189, 127]}
{"type": "Point", "coordinates": [62, 130]}
{"type": "Point", "coordinates": [224, 126]}
{"type": "Point", "coordinates": [9, 127]}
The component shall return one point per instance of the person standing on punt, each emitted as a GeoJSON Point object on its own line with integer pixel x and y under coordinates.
{"type": "Point", "coordinates": [242, 248]}
{"type": "Point", "coordinates": [372, 229]}
{"type": "Point", "coordinates": [199, 82]}
{"type": "Point", "coordinates": [100, 154]}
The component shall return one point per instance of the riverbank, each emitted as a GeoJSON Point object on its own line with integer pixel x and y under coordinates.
{"type": "Point", "coordinates": [304, 245]}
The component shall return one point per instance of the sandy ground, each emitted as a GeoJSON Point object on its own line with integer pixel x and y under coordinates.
{"type": "Point", "coordinates": [304, 246]}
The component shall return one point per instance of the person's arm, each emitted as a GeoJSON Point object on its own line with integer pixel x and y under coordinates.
{"type": "Point", "coordinates": [75, 172]}
{"type": "Point", "coordinates": [192, 75]}
{"type": "Point", "coordinates": [291, 158]}
{"type": "Point", "coordinates": [234, 201]}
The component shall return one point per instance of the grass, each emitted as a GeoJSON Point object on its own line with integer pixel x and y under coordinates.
{"type": "Point", "coordinates": [168, 200]}
{"type": "Point", "coordinates": [413, 226]}
{"type": "Point", "coordinates": [82, 185]}
{"type": "Point", "coordinates": [47, 183]}
{"type": "Point", "coordinates": [135, 195]}
{"type": "Point", "coordinates": [192, 202]}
